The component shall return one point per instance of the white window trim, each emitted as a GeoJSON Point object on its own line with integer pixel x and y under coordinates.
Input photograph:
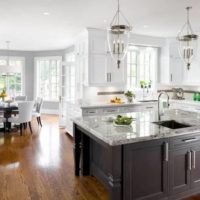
{"type": "Point", "coordinates": [21, 58]}
{"type": "Point", "coordinates": [43, 58]}
{"type": "Point", "coordinates": [153, 88]}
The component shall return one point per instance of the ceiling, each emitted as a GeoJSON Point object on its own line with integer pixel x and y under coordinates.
{"type": "Point", "coordinates": [24, 23]}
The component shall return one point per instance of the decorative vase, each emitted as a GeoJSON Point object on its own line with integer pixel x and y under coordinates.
{"type": "Point", "coordinates": [130, 99]}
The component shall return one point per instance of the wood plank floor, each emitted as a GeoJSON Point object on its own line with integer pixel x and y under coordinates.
{"type": "Point", "coordinates": [40, 167]}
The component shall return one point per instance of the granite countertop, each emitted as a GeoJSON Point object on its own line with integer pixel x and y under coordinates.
{"type": "Point", "coordinates": [184, 101]}
{"type": "Point", "coordinates": [141, 129]}
{"type": "Point", "coordinates": [124, 104]}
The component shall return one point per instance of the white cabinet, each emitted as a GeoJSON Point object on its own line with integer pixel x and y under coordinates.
{"type": "Point", "coordinates": [172, 66]}
{"type": "Point", "coordinates": [98, 70]}
{"type": "Point", "coordinates": [117, 75]}
{"type": "Point", "coordinates": [176, 66]}
{"type": "Point", "coordinates": [108, 110]}
{"type": "Point", "coordinates": [94, 63]}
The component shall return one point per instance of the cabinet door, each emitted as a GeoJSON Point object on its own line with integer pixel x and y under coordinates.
{"type": "Point", "coordinates": [145, 171]}
{"type": "Point", "coordinates": [179, 170]}
{"type": "Point", "coordinates": [98, 70]}
{"type": "Point", "coordinates": [176, 70]}
{"type": "Point", "coordinates": [118, 75]}
{"type": "Point", "coordinates": [195, 171]}
{"type": "Point", "coordinates": [98, 44]}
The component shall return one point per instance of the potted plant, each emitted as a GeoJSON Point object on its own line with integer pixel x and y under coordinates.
{"type": "Point", "coordinates": [142, 84]}
{"type": "Point", "coordinates": [150, 83]}
{"type": "Point", "coordinates": [129, 95]}
{"type": "Point", "coordinates": [3, 94]}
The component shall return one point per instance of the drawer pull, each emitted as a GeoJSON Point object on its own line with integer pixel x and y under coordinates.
{"type": "Point", "coordinates": [111, 110]}
{"type": "Point", "coordinates": [189, 161]}
{"type": "Point", "coordinates": [149, 107]}
{"type": "Point", "coordinates": [190, 140]}
{"type": "Point", "coordinates": [166, 151]}
{"type": "Point", "coordinates": [193, 159]}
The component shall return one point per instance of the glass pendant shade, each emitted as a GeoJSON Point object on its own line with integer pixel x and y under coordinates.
{"type": "Point", "coordinates": [187, 42]}
{"type": "Point", "coordinates": [8, 70]}
{"type": "Point", "coordinates": [118, 37]}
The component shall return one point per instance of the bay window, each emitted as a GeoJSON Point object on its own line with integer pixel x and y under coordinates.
{"type": "Point", "coordinates": [13, 83]}
{"type": "Point", "coordinates": [47, 77]}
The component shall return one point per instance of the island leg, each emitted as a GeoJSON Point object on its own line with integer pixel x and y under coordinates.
{"type": "Point", "coordinates": [115, 175]}
{"type": "Point", "coordinates": [77, 150]}
{"type": "Point", "coordinates": [85, 155]}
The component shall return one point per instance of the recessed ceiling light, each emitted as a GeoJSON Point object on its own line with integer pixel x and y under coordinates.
{"type": "Point", "coordinates": [46, 13]}
{"type": "Point", "coordinates": [145, 26]}
{"type": "Point", "coordinates": [104, 20]}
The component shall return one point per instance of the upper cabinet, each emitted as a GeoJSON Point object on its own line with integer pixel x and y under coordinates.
{"type": "Point", "coordinates": [94, 63]}
{"type": "Point", "coordinates": [172, 67]}
{"type": "Point", "coordinates": [176, 65]}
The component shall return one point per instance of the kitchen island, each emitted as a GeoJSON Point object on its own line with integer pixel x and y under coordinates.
{"type": "Point", "coordinates": [142, 161]}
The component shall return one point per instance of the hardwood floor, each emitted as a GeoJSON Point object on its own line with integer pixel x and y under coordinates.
{"type": "Point", "coordinates": [40, 167]}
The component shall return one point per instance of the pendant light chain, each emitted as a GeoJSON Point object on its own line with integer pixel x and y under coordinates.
{"type": "Point", "coordinates": [118, 36]}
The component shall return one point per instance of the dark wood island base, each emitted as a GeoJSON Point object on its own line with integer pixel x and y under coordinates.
{"type": "Point", "coordinates": [151, 170]}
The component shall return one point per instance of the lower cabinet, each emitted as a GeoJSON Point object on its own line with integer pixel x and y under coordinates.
{"type": "Point", "coordinates": [146, 170]}
{"type": "Point", "coordinates": [184, 165]}
{"type": "Point", "coordinates": [195, 168]}
{"type": "Point", "coordinates": [179, 172]}
{"type": "Point", "coordinates": [162, 169]}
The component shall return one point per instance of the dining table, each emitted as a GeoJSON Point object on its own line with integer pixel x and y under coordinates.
{"type": "Point", "coordinates": [7, 109]}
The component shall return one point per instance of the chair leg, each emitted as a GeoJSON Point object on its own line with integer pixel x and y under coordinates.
{"type": "Point", "coordinates": [24, 125]}
{"type": "Point", "coordinates": [4, 127]}
{"type": "Point", "coordinates": [20, 129]}
{"type": "Point", "coordinates": [40, 121]}
{"type": "Point", "coordinates": [30, 127]}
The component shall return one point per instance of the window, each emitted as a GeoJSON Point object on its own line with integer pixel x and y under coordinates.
{"type": "Point", "coordinates": [141, 66]}
{"type": "Point", "coordinates": [13, 83]}
{"type": "Point", "coordinates": [47, 77]}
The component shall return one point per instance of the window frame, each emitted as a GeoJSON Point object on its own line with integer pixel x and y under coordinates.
{"type": "Point", "coordinates": [23, 60]}
{"type": "Point", "coordinates": [137, 49]}
{"type": "Point", "coordinates": [36, 75]}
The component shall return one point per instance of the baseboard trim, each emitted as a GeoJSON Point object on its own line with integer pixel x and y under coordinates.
{"type": "Point", "coordinates": [50, 111]}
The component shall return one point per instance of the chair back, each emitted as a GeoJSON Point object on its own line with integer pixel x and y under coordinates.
{"type": "Point", "coordinates": [39, 104]}
{"type": "Point", "coordinates": [20, 98]}
{"type": "Point", "coordinates": [25, 111]}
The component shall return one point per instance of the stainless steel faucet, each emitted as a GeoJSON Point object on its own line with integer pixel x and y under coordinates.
{"type": "Point", "coordinates": [159, 96]}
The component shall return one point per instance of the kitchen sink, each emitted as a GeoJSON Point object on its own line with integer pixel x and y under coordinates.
{"type": "Point", "coordinates": [172, 124]}
{"type": "Point", "coordinates": [148, 101]}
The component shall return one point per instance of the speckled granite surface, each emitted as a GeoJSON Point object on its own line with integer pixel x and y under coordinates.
{"type": "Point", "coordinates": [141, 129]}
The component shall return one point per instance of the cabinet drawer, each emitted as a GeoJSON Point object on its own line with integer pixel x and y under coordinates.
{"type": "Point", "coordinates": [127, 109]}
{"type": "Point", "coordinates": [147, 107]}
{"type": "Point", "coordinates": [184, 140]}
{"type": "Point", "coordinates": [90, 112]}
{"type": "Point", "coordinates": [110, 110]}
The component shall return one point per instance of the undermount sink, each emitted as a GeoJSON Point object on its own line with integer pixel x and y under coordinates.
{"type": "Point", "coordinates": [148, 101]}
{"type": "Point", "coordinates": [172, 124]}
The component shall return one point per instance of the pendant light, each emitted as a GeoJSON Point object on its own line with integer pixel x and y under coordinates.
{"type": "Point", "coordinates": [187, 41]}
{"type": "Point", "coordinates": [118, 36]}
{"type": "Point", "coordinates": [7, 70]}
